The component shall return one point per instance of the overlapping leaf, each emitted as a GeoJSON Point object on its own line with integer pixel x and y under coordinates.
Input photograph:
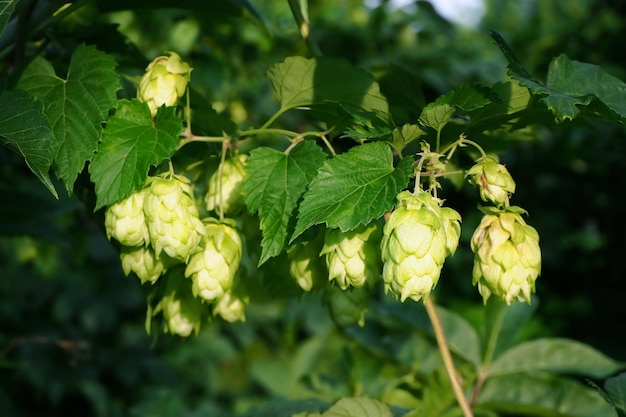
{"type": "Point", "coordinates": [25, 129]}
{"type": "Point", "coordinates": [132, 142]}
{"type": "Point", "coordinates": [466, 98]}
{"type": "Point", "coordinates": [353, 188]}
{"type": "Point", "coordinates": [273, 186]}
{"type": "Point", "coordinates": [75, 107]}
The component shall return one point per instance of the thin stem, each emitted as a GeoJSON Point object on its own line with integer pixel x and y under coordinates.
{"type": "Point", "coordinates": [447, 357]}
{"type": "Point", "coordinates": [284, 132]}
{"type": "Point", "coordinates": [273, 118]}
{"type": "Point", "coordinates": [220, 177]}
{"type": "Point", "coordinates": [293, 144]}
{"type": "Point", "coordinates": [328, 145]}
{"type": "Point", "coordinates": [302, 20]}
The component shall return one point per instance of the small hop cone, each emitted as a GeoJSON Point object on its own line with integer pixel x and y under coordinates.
{"type": "Point", "coordinates": [417, 238]}
{"type": "Point", "coordinates": [231, 307]}
{"type": "Point", "coordinates": [125, 221]}
{"type": "Point", "coordinates": [172, 217]}
{"type": "Point", "coordinates": [224, 191]}
{"type": "Point", "coordinates": [507, 257]}
{"type": "Point", "coordinates": [493, 180]}
{"type": "Point", "coordinates": [347, 308]}
{"type": "Point", "coordinates": [164, 82]}
{"type": "Point", "coordinates": [182, 312]}
{"type": "Point", "coordinates": [305, 265]}
{"type": "Point", "coordinates": [212, 269]}
{"type": "Point", "coordinates": [143, 262]}
{"type": "Point", "coordinates": [353, 258]}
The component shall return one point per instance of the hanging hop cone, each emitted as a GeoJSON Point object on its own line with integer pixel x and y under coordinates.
{"type": "Point", "coordinates": [305, 265]}
{"type": "Point", "coordinates": [417, 238]}
{"type": "Point", "coordinates": [164, 82]}
{"type": "Point", "coordinates": [212, 269]}
{"type": "Point", "coordinates": [493, 180]}
{"type": "Point", "coordinates": [353, 258]}
{"type": "Point", "coordinates": [143, 262]}
{"type": "Point", "coordinates": [182, 312]}
{"type": "Point", "coordinates": [231, 308]}
{"type": "Point", "coordinates": [224, 191]}
{"type": "Point", "coordinates": [347, 308]}
{"type": "Point", "coordinates": [125, 221]}
{"type": "Point", "coordinates": [507, 257]}
{"type": "Point", "coordinates": [172, 217]}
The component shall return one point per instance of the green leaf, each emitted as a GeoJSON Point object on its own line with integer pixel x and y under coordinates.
{"type": "Point", "coordinates": [6, 10]}
{"type": "Point", "coordinates": [616, 389]}
{"type": "Point", "coordinates": [24, 128]}
{"type": "Point", "coordinates": [274, 183]}
{"type": "Point", "coordinates": [467, 98]}
{"type": "Point", "coordinates": [555, 355]}
{"type": "Point", "coordinates": [131, 144]}
{"type": "Point", "coordinates": [353, 188]}
{"type": "Point", "coordinates": [76, 107]}
{"type": "Point", "coordinates": [542, 395]}
{"type": "Point", "coordinates": [401, 137]}
{"type": "Point", "coordinates": [301, 82]}
{"type": "Point", "coordinates": [358, 407]}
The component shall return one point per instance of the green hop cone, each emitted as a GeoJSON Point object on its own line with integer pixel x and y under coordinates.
{"type": "Point", "coordinates": [305, 265]}
{"type": "Point", "coordinates": [493, 180]}
{"type": "Point", "coordinates": [224, 191]}
{"type": "Point", "coordinates": [353, 258]}
{"type": "Point", "coordinates": [231, 307]}
{"type": "Point", "coordinates": [507, 257]}
{"type": "Point", "coordinates": [164, 82]}
{"type": "Point", "coordinates": [143, 262]}
{"type": "Point", "coordinates": [347, 308]}
{"type": "Point", "coordinates": [183, 313]}
{"type": "Point", "coordinates": [172, 217]}
{"type": "Point", "coordinates": [212, 269]}
{"type": "Point", "coordinates": [417, 238]}
{"type": "Point", "coordinates": [125, 221]}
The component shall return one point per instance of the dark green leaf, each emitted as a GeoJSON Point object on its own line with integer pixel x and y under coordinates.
{"type": "Point", "coordinates": [616, 389]}
{"type": "Point", "coordinates": [273, 186]}
{"type": "Point", "coordinates": [353, 188]}
{"type": "Point", "coordinates": [132, 142]}
{"type": "Point", "coordinates": [467, 98]}
{"type": "Point", "coordinates": [76, 107]}
{"type": "Point", "coordinates": [542, 395]}
{"type": "Point", "coordinates": [555, 355]}
{"type": "Point", "coordinates": [6, 10]}
{"type": "Point", "coordinates": [25, 129]}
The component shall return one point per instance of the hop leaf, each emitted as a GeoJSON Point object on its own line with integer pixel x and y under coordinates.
{"type": "Point", "coordinates": [493, 180]}
{"type": "Point", "coordinates": [353, 258]}
{"type": "Point", "coordinates": [143, 262]}
{"type": "Point", "coordinates": [125, 221]}
{"type": "Point", "coordinates": [164, 82]}
{"type": "Point", "coordinates": [224, 193]}
{"type": "Point", "coordinates": [507, 257]}
{"type": "Point", "coordinates": [417, 238]}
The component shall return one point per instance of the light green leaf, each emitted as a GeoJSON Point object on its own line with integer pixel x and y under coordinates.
{"type": "Point", "coordinates": [6, 10]}
{"type": "Point", "coordinates": [301, 82]}
{"type": "Point", "coordinates": [462, 337]}
{"type": "Point", "coordinates": [131, 144]}
{"type": "Point", "coordinates": [273, 186]}
{"type": "Point", "coordinates": [76, 107]}
{"type": "Point", "coordinates": [358, 407]}
{"type": "Point", "coordinates": [353, 188]}
{"type": "Point", "coordinates": [401, 137]}
{"type": "Point", "coordinates": [542, 395]}
{"type": "Point", "coordinates": [25, 129]}
{"type": "Point", "coordinates": [555, 355]}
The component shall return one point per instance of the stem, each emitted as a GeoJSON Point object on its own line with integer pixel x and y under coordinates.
{"type": "Point", "coordinates": [447, 357]}
{"type": "Point", "coordinates": [328, 145]}
{"type": "Point", "coordinates": [284, 132]}
{"type": "Point", "coordinates": [273, 118]}
{"type": "Point", "coordinates": [303, 25]}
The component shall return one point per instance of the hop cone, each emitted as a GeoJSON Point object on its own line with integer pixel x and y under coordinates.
{"type": "Point", "coordinates": [125, 221]}
{"type": "Point", "coordinates": [305, 265]}
{"type": "Point", "coordinates": [493, 180]}
{"type": "Point", "coordinates": [231, 307]}
{"type": "Point", "coordinates": [143, 262]}
{"type": "Point", "coordinates": [172, 217]}
{"type": "Point", "coordinates": [353, 258]}
{"type": "Point", "coordinates": [417, 238]}
{"type": "Point", "coordinates": [507, 258]}
{"type": "Point", "coordinates": [182, 312]}
{"type": "Point", "coordinates": [212, 269]}
{"type": "Point", "coordinates": [224, 193]}
{"type": "Point", "coordinates": [164, 82]}
{"type": "Point", "coordinates": [347, 308]}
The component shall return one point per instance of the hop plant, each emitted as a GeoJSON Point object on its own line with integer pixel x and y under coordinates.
{"type": "Point", "coordinates": [172, 217]}
{"type": "Point", "coordinates": [231, 307]}
{"type": "Point", "coordinates": [182, 312]}
{"type": "Point", "coordinates": [493, 180]}
{"type": "Point", "coordinates": [164, 82]}
{"type": "Point", "coordinates": [224, 191]}
{"type": "Point", "coordinates": [212, 269]}
{"type": "Point", "coordinates": [507, 257]}
{"type": "Point", "coordinates": [125, 221]}
{"type": "Point", "coordinates": [353, 258]}
{"type": "Point", "coordinates": [143, 262]}
{"type": "Point", "coordinates": [305, 265]}
{"type": "Point", "coordinates": [417, 238]}
{"type": "Point", "coordinates": [347, 308]}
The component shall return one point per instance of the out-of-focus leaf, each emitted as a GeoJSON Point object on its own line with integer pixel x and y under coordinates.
{"type": "Point", "coordinates": [358, 407]}
{"type": "Point", "coordinates": [6, 9]}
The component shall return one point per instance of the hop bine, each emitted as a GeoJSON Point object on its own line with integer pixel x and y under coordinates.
{"type": "Point", "coordinates": [164, 82]}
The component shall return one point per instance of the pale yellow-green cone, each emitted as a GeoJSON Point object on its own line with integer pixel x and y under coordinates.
{"type": "Point", "coordinates": [306, 266]}
{"type": "Point", "coordinates": [143, 262]}
{"type": "Point", "coordinates": [493, 180]}
{"type": "Point", "coordinates": [347, 307]}
{"type": "Point", "coordinates": [212, 268]}
{"type": "Point", "coordinates": [164, 82]}
{"type": "Point", "coordinates": [507, 257]}
{"type": "Point", "coordinates": [231, 307]}
{"type": "Point", "coordinates": [224, 191]}
{"type": "Point", "coordinates": [182, 312]}
{"type": "Point", "coordinates": [172, 217]}
{"type": "Point", "coordinates": [125, 221]}
{"type": "Point", "coordinates": [353, 258]}
{"type": "Point", "coordinates": [417, 238]}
